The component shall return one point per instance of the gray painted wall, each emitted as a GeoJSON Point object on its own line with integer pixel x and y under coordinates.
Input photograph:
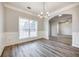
{"type": "Point", "coordinates": [1, 28]}
{"type": "Point", "coordinates": [12, 20]}
{"type": "Point", "coordinates": [65, 28]}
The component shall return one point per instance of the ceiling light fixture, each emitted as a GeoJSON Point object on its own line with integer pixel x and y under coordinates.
{"type": "Point", "coordinates": [44, 13]}
{"type": "Point", "coordinates": [29, 7]}
{"type": "Point", "coordinates": [60, 15]}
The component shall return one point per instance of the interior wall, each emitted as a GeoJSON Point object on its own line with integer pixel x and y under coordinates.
{"type": "Point", "coordinates": [12, 26]}
{"type": "Point", "coordinates": [1, 28]}
{"type": "Point", "coordinates": [75, 27]}
{"type": "Point", "coordinates": [60, 28]}
{"type": "Point", "coordinates": [65, 28]}
{"type": "Point", "coordinates": [12, 18]}
{"type": "Point", "coordinates": [54, 29]}
{"type": "Point", "coordinates": [46, 29]}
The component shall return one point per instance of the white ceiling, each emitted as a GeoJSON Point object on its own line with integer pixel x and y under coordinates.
{"type": "Point", "coordinates": [37, 7]}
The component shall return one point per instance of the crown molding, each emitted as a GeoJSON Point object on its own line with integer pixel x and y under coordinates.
{"type": "Point", "coordinates": [18, 9]}
{"type": "Point", "coordinates": [62, 9]}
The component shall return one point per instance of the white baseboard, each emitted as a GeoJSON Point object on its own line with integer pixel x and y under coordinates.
{"type": "Point", "coordinates": [1, 49]}
{"type": "Point", "coordinates": [21, 41]}
{"type": "Point", "coordinates": [75, 45]}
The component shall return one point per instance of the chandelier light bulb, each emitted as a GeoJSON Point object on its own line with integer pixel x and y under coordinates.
{"type": "Point", "coordinates": [47, 12]}
{"type": "Point", "coordinates": [41, 12]}
{"type": "Point", "coordinates": [60, 15]}
{"type": "Point", "coordinates": [44, 14]}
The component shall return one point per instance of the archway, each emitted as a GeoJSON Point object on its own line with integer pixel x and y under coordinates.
{"type": "Point", "coordinates": [61, 28]}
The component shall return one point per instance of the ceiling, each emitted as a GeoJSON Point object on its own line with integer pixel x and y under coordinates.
{"type": "Point", "coordinates": [37, 7]}
{"type": "Point", "coordinates": [63, 18]}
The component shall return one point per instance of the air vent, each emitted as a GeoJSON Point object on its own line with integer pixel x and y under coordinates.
{"type": "Point", "coordinates": [29, 7]}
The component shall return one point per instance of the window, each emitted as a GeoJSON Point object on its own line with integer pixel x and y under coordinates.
{"type": "Point", "coordinates": [33, 28]}
{"type": "Point", "coordinates": [27, 28]}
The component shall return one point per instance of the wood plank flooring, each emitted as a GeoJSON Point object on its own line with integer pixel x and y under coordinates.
{"type": "Point", "coordinates": [63, 39]}
{"type": "Point", "coordinates": [41, 48]}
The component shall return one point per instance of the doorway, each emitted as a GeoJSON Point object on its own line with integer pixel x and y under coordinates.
{"type": "Point", "coordinates": [61, 28]}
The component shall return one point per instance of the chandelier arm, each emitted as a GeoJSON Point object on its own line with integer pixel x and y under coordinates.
{"type": "Point", "coordinates": [44, 14]}
{"type": "Point", "coordinates": [44, 8]}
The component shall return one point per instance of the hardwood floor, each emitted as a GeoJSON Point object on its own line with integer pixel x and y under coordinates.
{"type": "Point", "coordinates": [41, 48]}
{"type": "Point", "coordinates": [63, 39]}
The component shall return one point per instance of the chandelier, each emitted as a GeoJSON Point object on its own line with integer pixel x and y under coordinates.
{"type": "Point", "coordinates": [44, 13]}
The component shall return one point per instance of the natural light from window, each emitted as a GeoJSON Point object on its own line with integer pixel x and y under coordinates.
{"type": "Point", "coordinates": [27, 28]}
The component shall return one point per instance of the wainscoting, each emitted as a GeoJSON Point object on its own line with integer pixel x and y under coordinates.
{"type": "Point", "coordinates": [75, 41]}
{"type": "Point", "coordinates": [13, 38]}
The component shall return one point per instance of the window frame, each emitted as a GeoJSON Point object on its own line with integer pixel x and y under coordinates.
{"type": "Point", "coordinates": [29, 31]}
